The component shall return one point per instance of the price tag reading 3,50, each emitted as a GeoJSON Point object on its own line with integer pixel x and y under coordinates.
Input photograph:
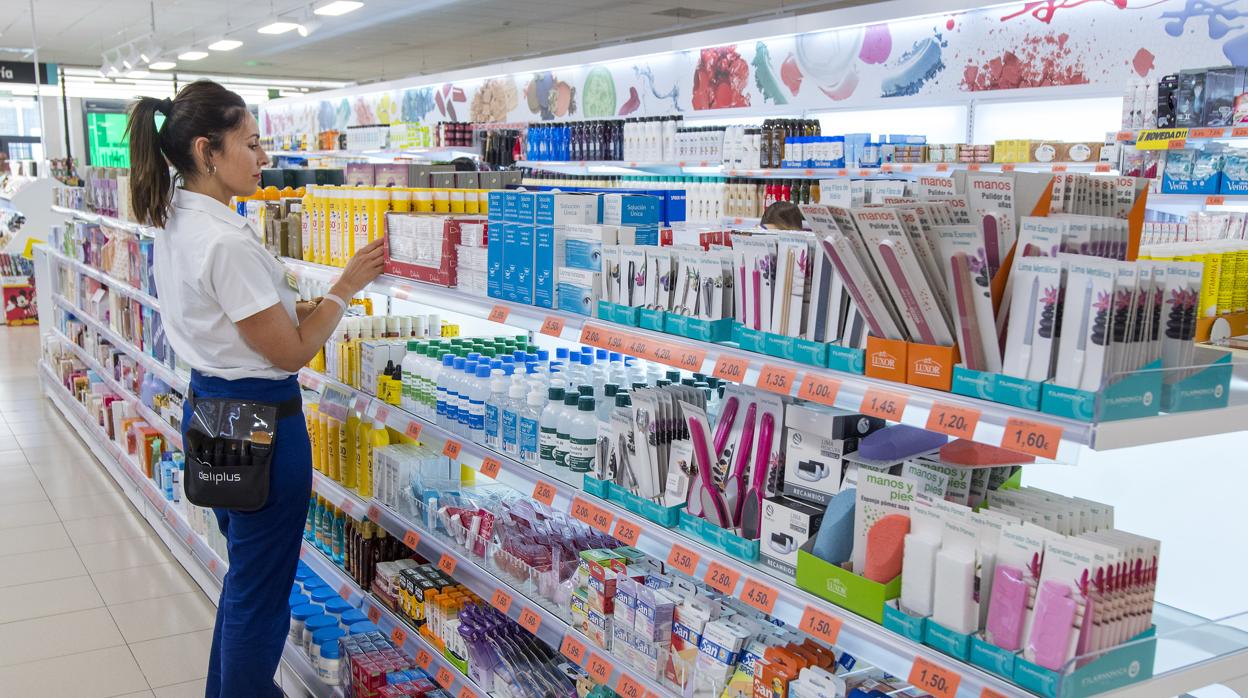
{"type": "Point", "coordinates": [683, 559]}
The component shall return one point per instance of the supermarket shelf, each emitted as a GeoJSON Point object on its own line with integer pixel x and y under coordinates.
{"type": "Point", "coordinates": [188, 547]}
{"type": "Point", "coordinates": [1158, 200]}
{"type": "Point", "coordinates": [122, 287]}
{"type": "Point", "coordinates": [550, 629]}
{"type": "Point", "coordinates": [166, 429]}
{"type": "Point", "coordinates": [704, 168]}
{"type": "Point", "coordinates": [109, 221]}
{"type": "Point", "coordinates": [852, 391]}
{"type": "Point", "coordinates": [400, 633]}
{"type": "Point", "coordinates": [166, 374]}
{"type": "Point", "coordinates": [430, 153]}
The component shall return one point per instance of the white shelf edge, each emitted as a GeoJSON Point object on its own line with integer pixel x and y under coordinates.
{"type": "Point", "coordinates": [899, 169]}
{"type": "Point", "coordinates": [122, 287]}
{"type": "Point", "coordinates": [100, 219]}
{"type": "Point", "coordinates": [166, 374]}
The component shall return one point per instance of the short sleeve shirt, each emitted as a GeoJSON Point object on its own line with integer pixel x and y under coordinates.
{"type": "Point", "coordinates": [212, 271]}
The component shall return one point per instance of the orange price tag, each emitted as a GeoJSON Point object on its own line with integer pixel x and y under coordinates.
{"type": "Point", "coordinates": [598, 668]}
{"type": "Point", "coordinates": [636, 345]}
{"type": "Point", "coordinates": [501, 600]}
{"type": "Point", "coordinates": [446, 563]}
{"type": "Point", "coordinates": [212, 566]}
{"type": "Point", "coordinates": [808, 173]}
{"type": "Point", "coordinates": [819, 389]}
{"type": "Point", "coordinates": [1124, 136]}
{"type": "Point", "coordinates": [573, 649]}
{"type": "Point", "coordinates": [1176, 144]}
{"type": "Point", "coordinates": [973, 167]}
{"type": "Point", "coordinates": [954, 421]}
{"type": "Point", "coordinates": [678, 356]}
{"type": "Point", "coordinates": [345, 591]}
{"type": "Point", "coordinates": [820, 625]}
{"type": "Point", "coordinates": [907, 168]}
{"type": "Point", "coordinates": [544, 492]}
{"type": "Point", "coordinates": [347, 506]}
{"type": "Point", "coordinates": [935, 679]}
{"type": "Point", "coordinates": [490, 467]}
{"type": "Point", "coordinates": [1008, 167]}
{"type": "Point", "coordinates": [864, 173]}
{"type": "Point", "coordinates": [1206, 133]}
{"type": "Point", "coordinates": [683, 559]}
{"type": "Point", "coordinates": [1239, 132]}
{"type": "Point", "coordinates": [374, 512]}
{"type": "Point", "coordinates": [1035, 438]}
{"type": "Point", "coordinates": [777, 379]}
{"type": "Point", "coordinates": [190, 539]}
{"type": "Point", "coordinates": [942, 167]}
{"type": "Point", "coordinates": [466, 692]}
{"type": "Point", "coordinates": [721, 578]}
{"type": "Point", "coordinates": [444, 677]}
{"type": "Point", "coordinates": [381, 415]}
{"type": "Point", "coordinates": [411, 539]}
{"type": "Point", "coordinates": [627, 532]}
{"type": "Point", "coordinates": [424, 659]}
{"type": "Point", "coordinates": [842, 173]}
{"type": "Point", "coordinates": [886, 167]}
{"type": "Point", "coordinates": [731, 368]}
{"type": "Point", "coordinates": [1102, 167]}
{"type": "Point", "coordinates": [883, 404]}
{"type": "Point", "coordinates": [1218, 200]}
{"type": "Point", "coordinates": [530, 621]}
{"type": "Point", "coordinates": [398, 636]}
{"type": "Point", "coordinates": [374, 614]}
{"type": "Point", "coordinates": [451, 449]}
{"type": "Point", "coordinates": [499, 313]}
{"type": "Point", "coordinates": [597, 336]}
{"type": "Point", "coordinates": [552, 326]}
{"type": "Point", "coordinates": [591, 514]}
{"type": "Point", "coordinates": [989, 693]}
{"type": "Point", "coordinates": [1060, 168]}
{"type": "Point", "coordinates": [413, 430]}
{"type": "Point", "coordinates": [629, 688]}
{"type": "Point", "coordinates": [759, 595]}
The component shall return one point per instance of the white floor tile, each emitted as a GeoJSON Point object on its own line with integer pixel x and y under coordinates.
{"type": "Point", "coordinates": [39, 426]}
{"type": "Point", "coordinates": [124, 553]}
{"type": "Point", "coordinates": [27, 514]}
{"type": "Point", "coordinates": [144, 694]}
{"type": "Point", "coordinates": [190, 689]}
{"type": "Point", "coordinates": [97, 674]}
{"type": "Point", "coordinates": [47, 598]}
{"type": "Point", "coordinates": [40, 566]}
{"type": "Point", "coordinates": [56, 636]}
{"type": "Point", "coordinates": [165, 616]}
{"type": "Point", "coordinates": [101, 529]}
{"type": "Point", "coordinates": [29, 539]}
{"type": "Point", "coordinates": [79, 482]}
{"type": "Point", "coordinates": [22, 490]}
{"type": "Point", "coordinates": [176, 659]}
{"type": "Point", "coordinates": [49, 440]}
{"type": "Point", "coordinates": [137, 583]}
{"type": "Point", "coordinates": [90, 506]}
{"type": "Point", "coordinates": [12, 458]}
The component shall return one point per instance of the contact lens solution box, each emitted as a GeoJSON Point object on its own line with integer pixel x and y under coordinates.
{"type": "Point", "coordinates": [553, 212]}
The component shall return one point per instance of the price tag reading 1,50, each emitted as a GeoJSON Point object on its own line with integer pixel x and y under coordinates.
{"type": "Point", "coordinates": [731, 368]}
{"type": "Point", "coordinates": [444, 677]}
{"type": "Point", "coordinates": [411, 539]}
{"type": "Point", "coordinates": [935, 679]}
{"type": "Point", "coordinates": [499, 313]}
{"type": "Point", "coordinates": [501, 600]}
{"type": "Point", "coordinates": [530, 621]}
{"type": "Point", "coordinates": [820, 625]}
{"type": "Point", "coordinates": [446, 563]}
{"type": "Point", "coordinates": [883, 404]}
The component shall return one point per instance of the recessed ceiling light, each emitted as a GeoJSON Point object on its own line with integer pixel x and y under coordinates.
{"type": "Point", "coordinates": [338, 7]}
{"type": "Point", "coordinates": [224, 45]}
{"type": "Point", "coordinates": [162, 65]}
{"type": "Point", "coordinates": [278, 27]}
{"type": "Point", "coordinates": [192, 55]}
{"type": "Point", "coordinates": [138, 73]}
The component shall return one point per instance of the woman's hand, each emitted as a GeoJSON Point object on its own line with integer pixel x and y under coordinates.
{"type": "Point", "coordinates": [360, 271]}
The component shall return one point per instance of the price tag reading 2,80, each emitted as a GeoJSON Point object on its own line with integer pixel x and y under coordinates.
{"type": "Point", "coordinates": [720, 578]}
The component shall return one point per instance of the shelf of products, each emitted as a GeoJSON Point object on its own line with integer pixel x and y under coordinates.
{"type": "Point", "coordinates": [919, 405]}
{"type": "Point", "coordinates": [427, 153]}
{"type": "Point", "coordinates": [171, 377]}
{"type": "Point", "coordinates": [190, 549]}
{"type": "Point", "coordinates": [122, 287]}
{"type": "Point", "coordinates": [109, 221]}
{"type": "Point", "coordinates": [706, 168]}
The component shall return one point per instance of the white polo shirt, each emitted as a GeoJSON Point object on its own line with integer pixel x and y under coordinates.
{"type": "Point", "coordinates": [212, 271]}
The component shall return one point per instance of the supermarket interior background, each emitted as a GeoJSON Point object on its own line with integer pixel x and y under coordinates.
{"type": "Point", "coordinates": [974, 425]}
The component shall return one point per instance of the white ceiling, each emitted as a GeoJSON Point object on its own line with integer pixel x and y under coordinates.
{"type": "Point", "coordinates": [385, 39]}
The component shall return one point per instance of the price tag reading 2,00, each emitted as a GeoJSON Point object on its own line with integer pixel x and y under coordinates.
{"type": "Point", "coordinates": [731, 368]}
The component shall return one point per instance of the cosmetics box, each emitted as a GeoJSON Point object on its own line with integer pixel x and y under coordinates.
{"type": "Point", "coordinates": [991, 658]}
{"type": "Point", "coordinates": [1189, 102]}
{"type": "Point", "coordinates": [578, 290]}
{"type": "Point", "coordinates": [1234, 173]}
{"type": "Point", "coordinates": [886, 358]}
{"type": "Point", "coordinates": [719, 538]}
{"type": "Point", "coordinates": [1192, 172]}
{"type": "Point", "coordinates": [1129, 663]}
{"type": "Point", "coordinates": [902, 623]}
{"type": "Point", "coordinates": [786, 526]}
{"type": "Point", "coordinates": [1205, 388]}
{"type": "Point", "coordinates": [422, 247]}
{"type": "Point", "coordinates": [1222, 86]}
{"type": "Point", "coordinates": [636, 210]}
{"type": "Point", "coordinates": [518, 262]}
{"type": "Point", "coordinates": [842, 587]}
{"type": "Point", "coordinates": [951, 642]}
{"type": "Point", "coordinates": [545, 266]}
{"type": "Point", "coordinates": [524, 209]}
{"type": "Point", "coordinates": [361, 174]}
{"type": "Point", "coordinates": [494, 260]}
{"type": "Point", "coordinates": [1083, 152]}
{"type": "Point", "coordinates": [1129, 396]}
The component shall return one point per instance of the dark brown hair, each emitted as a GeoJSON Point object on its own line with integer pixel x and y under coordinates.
{"type": "Point", "coordinates": [201, 109]}
{"type": "Point", "coordinates": [783, 215]}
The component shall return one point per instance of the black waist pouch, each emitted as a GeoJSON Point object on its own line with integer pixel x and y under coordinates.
{"type": "Point", "coordinates": [229, 446]}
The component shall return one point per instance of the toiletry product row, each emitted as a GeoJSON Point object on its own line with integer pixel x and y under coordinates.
{"type": "Point", "coordinates": [1196, 226]}
{"type": "Point", "coordinates": [1212, 96]}
{"type": "Point", "coordinates": [1209, 170]}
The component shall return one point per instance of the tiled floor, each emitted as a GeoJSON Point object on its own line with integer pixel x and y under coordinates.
{"type": "Point", "coordinates": [91, 602]}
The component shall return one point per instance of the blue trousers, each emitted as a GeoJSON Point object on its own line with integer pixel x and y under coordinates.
{"type": "Point", "coordinates": [253, 618]}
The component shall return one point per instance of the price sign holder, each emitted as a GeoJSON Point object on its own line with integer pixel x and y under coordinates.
{"type": "Point", "coordinates": [1034, 438]}
{"type": "Point", "coordinates": [627, 532]}
{"type": "Point", "coordinates": [959, 422]}
{"type": "Point", "coordinates": [731, 368]}
{"type": "Point", "coordinates": [683, 559]}
{"type": "Point", "coordinates": [777, 379]}
{"type": "Point", "coordinates": [935, 679]}
{"type": "Point", "coordinates": [820, 625]}
{"type": "Point", "coordinates": [759, 595]}
{"type": "Point", "coordinates": [883, 404]}
{"type": "Point", "coordinates": [721, 578]}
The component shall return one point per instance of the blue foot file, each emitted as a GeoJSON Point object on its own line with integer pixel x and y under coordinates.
{"type": "Point", "coordinates": [835, 541]}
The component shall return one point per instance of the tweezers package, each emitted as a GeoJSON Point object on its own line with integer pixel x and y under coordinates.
{"type": "Point", "coordinates": [611, 273]}
{"type": "Point", "coordinates": [660, 274]}
{"type": "Point", "coordinates": [793, 265]}
{"type": "Point", "coordinates": [632, 276]}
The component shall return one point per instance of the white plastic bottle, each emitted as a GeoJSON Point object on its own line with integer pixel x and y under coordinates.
{"type": "Point", "coordinates": [410, 368]}
{"type": "Point", "coordinates": [548, 437]}
{"type": "Point", "coordinates": [564, 424]}
{"type": "Point", "coordinates": [476, 403]}
{"type": "Point", "coordinates": [466, 379]}
{"type": "Point", "coordinates": [583, 437]}
{"type": "Point", "coordinates": [451, 380]}
{"type": "Point", "coordinates": [617, 373]}
{"type": "Point", "coordinates": [606, 402]}
{"type": "Point", "coordinates": [669, 139]}
{"type": "Point", "coordinates": [494, 409]}
{"type": "Point", "coordinates": [511, 418]}
{"type": "Point", "coordinates": [529, 427]}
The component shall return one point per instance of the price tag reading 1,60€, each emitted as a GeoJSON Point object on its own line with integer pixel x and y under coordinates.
{"type": "Point", "coordinates": [1034, 438]}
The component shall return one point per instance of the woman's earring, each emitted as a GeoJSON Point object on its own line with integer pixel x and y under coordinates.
{"type": "Point", "coordinates": [212, 169]}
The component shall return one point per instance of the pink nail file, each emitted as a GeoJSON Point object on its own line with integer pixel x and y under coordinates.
{"type": "Point", "coordinates": [968, 325]}
{"type": "Point", "coordinates": [992, 244]}
{"type": "Point", "coordinates": [866, 296]}
{"type": "Point", "coordinates": [1007, 609]}
{"type": "Point", "coordinates": [1052, 623]}
{"type": "Point", "coordinates": [914, 310]}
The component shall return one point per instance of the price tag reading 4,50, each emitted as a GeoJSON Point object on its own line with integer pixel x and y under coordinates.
{"type": "Point", "coordinates": [544, 492]}
{"type": "Point", "coordinates": [683, 559]}
{"type": "Point", "coordinates": [759, 595]}
{"type": "Point", "coordinates": [530, 621]}
{"type": "Point", "coordinates": [573, 649]}
{"type": "Point", "coordinates": [883, 404]}
{"type": "Point", "coordinates": [501, 600]}
{"type": "Point", "coordinates": [730, 368]}
{"type": "Point", "coordinates": [720, 578]}
{"type": "Point", "coordinates": [959, 422]}
{"type": "Point", "coordinates": [777, 379]}
{"type": "Point", "coordinates": [820, 625]}
{"type": "Point", "coordinates": [935, 679]}
{"type": "Point", "coordinates": [446, 563]}
{"type": "Point", "coordinates": [1034, 438]}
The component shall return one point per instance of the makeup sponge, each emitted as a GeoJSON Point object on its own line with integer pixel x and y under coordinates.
{"type": "Point", "coordinates": [971, 453]}
{"type": "Point", "coordinates": [886, 542]}
{"type": "Point", "coordinates": [834, 543]}
{"type": "Point", "coordinates": [899, 442]}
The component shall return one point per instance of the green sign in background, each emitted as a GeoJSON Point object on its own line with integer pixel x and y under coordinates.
{"type": "Point", "coordinates": [107, 141]}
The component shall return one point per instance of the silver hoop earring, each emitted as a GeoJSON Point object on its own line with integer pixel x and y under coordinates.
{"type": "Point", "coordinates": [212, 170]}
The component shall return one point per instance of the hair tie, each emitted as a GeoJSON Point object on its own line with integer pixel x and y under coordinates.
{"type": "Point", "coordinates": [165, 106]}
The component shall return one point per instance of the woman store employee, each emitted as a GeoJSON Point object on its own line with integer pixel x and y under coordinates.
{"type": "Point", "coordinates": [230, 311]}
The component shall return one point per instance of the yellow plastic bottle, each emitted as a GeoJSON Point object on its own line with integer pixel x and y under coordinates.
{"type": "Point", "coordinates": [322, 436]}
{"type": "Point", "coordinates": [380, 207]}
{"type": "Point", "coordinates": [308, 222]}
{"type": "Point", "coordinates": [379, 438]}
{"type": "Point", "coordinates": [334, 433]}
{"type": "Point", "coordinates": [422, 200]}
{"type": "Point", "coordinates": [441, 200]}
{"type": "Point", "coordinates": [350, 449]}
{"type": "Point", "coordinates": [472, 201]}
{"type": "Point", "coordinates": [483, 201]}
{"type": "Point", "coordinates": [457, 200]}
{"type": "Point", "coordinates": [401, 200]}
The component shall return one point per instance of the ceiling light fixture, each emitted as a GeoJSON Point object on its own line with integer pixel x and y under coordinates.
{"type": "Point", "coordinates": [224, 45]}
{"type": "Point", "coordinates": [130, 59]}
{"type": "Point", "coordinates": [192, 55]}
{"type": "Point", "coordinates": [338, 7]}
{"type": "Point", "coordinates": [139, 73]}
{"type": "Point", "coordinates": [278, 27]}
{"type": "Point", "coordinates": [308, 26]}
{"type": "Point", "coordinates": [162, 65]}
{"type": "Point", "coordinates": [149, 52]}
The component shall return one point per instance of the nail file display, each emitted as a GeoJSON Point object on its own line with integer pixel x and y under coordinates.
{"type": "Point", "coordinates": [1181, 295]}
{"type": "Point", "coordinates": [828, 220]}
{"type": "Point", "coordinates": [1086, 321]}
{"type": "Point", "coordinates": [1037, 294]}
{"type": "Point", "coordinates": [970, 288]}
{"type": "Point", "coordinates": [1037, 237]}
{"type": "Point", "coordinates": [866, 295]}
{"type": "Point", "coordinates": [712, 504]}
{"type": "Point", "coordinates": [923, 311]}
{"type": "Point", "coordinates": [992, 200]}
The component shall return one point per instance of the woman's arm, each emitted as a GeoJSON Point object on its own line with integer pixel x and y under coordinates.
{"type": "Point", "coordinates": [305, 308]}
{"type": "Point", "coordinates": [289, 346]}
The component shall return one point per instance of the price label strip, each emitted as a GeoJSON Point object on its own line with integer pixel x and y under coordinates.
{"type": "Point", "coordinates": [777, 379]}
{"type": "Point", "coordinates": [591, 514]}
{"type": "Point", "coordinates": [721, 578]}
{"type": "Point", "coordinates": [501, 600]}
{"type": "Point", "coordinates": [959, 422]}
{"type": "Point", "coordinates": [552, 326]}
{"type": "Point", "coordinates": [598, 669]}
{"type": "Point", "coordinates": [1034, 438]}
{"type": "Point", "coordinates": [544, 492]}
{"type": "Point", "coordinates": [335, 402]}
{"type": "Point", "coordinates": [627, 532]}
{"type": "Point", "coordinates": [759, 595]}
{"type": "Point", "coordinates": [490, 467]}
{"type": "Point", "coordinates": [683, 559]}
{"type": "Point", "coordinates": [883, 404]}
{"type": "Point", "coordinates": [731, 368]}
{"type": "Point", "coordinates": [530, 621]}
{"type": "Point", "coordinates": [820, 625]}
{"type": "Point", "coordinates": [819, 389]}
{"type": "Point", "coordinates": [573, 649]}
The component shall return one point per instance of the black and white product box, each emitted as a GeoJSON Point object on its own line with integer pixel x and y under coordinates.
{"type": "Point", "coordinates": [816, 440]}
{"type": "Point", "coordinates": [786, 526]}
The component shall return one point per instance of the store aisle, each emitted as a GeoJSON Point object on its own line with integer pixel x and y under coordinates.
{"type": "Point", "coordinates": [91, 601]}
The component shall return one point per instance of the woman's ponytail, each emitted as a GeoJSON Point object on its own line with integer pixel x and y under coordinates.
{"type": "Point", "coordinates": [149, 171]}
{"type": "Point", "coordinates": [202, 109]}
